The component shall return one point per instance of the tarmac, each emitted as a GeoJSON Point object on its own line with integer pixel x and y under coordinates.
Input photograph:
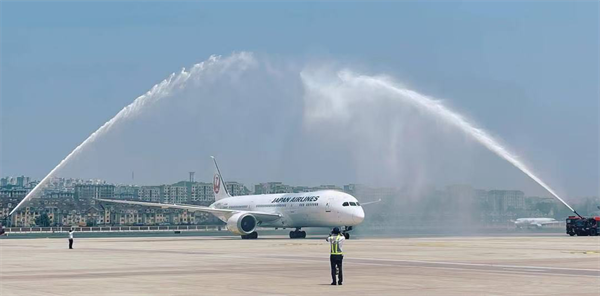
{"type": "Point", "coordinates": [277, 265]}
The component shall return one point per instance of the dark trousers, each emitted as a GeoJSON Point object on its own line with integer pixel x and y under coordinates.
{"type": "Point", "coordinates": [336, 261]}
{"type": "Point", "coordinates": [70, 243]}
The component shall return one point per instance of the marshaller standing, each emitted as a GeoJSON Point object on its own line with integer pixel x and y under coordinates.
{"type": "Point", "coordinates": [336, 241]}
{"type": "Point", "coordinates": [70, 238]}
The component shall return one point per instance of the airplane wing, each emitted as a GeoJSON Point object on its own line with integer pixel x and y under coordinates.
{"type": "Point", "coordinates": [261, 216]}
{"type": "Point", "coordinates": [370, 202]}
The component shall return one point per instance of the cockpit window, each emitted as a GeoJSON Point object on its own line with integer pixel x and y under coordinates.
{"type": "Point", "coordinates": [352, 203]}
{"type": "Point", "coordinates": [358, 204]}
{"type": "Point", "coordinates": [345, 204]}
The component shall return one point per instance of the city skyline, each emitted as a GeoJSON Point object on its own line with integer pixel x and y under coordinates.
{"type": "Point", "coordinates": [249, 187]}
{"type": "Point", "coordinates": [73, 202]}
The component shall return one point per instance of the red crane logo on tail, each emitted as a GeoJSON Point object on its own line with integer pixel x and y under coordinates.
{"type": "Point", "coordinates": [216, 184]}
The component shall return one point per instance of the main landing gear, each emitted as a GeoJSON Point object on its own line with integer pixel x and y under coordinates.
{"type": "Point", "coordinates": [297, 233]}
{"type": "Point", "coordinates": [253, 235]}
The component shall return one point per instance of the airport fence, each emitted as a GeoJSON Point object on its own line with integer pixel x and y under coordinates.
{"type": "Point", "coordinates": [116, 228]}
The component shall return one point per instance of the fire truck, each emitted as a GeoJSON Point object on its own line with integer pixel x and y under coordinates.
{"type": "Point", "coordinates": [580, 226]}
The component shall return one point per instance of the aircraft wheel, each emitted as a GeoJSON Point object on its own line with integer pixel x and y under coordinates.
{"type": "Point", "coordinates": [297, 234]}
{"type": "Point", "coordinates": [347, 235]}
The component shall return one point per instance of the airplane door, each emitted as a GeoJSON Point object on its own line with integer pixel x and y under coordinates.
{"type": "Point", "coordinates": [328, 205]}
{"type": "Point", "coordinates": [332, 213]}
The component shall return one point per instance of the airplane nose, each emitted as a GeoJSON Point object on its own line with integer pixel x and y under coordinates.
{"type": "Point", "coordinates": [359, 215]}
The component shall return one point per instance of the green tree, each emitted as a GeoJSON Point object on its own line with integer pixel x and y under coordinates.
{"type": "Point", "coordinates": [43, 220]}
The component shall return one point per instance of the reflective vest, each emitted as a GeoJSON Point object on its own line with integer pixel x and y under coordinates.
{"type": "Point", "coordinates": [335, 245]}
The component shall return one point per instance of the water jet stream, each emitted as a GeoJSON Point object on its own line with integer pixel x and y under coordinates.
{"type": "Point", "coordinates": [210, 68]}
{"type": "Point", "coordinates": [216, 67]}
{"type": "Point", "coordinates": [438, 109]}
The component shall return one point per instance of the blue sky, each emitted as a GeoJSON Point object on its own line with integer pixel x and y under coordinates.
{"type": "Point", "coordinates": [527, 71]}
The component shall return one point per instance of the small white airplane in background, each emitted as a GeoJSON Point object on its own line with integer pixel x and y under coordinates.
{"type": "Point", "coordinates": [325, 208]}
{"type": "Point", "coordinates": [534, 222]}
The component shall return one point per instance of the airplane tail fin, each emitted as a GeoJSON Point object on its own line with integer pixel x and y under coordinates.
{"type": "Point", "coordinates": [219, 188]}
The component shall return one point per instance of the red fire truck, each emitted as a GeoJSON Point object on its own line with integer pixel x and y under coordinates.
{"type": "Point", "coordinates": [580, 226]}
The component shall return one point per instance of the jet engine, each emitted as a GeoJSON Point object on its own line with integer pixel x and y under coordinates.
{"type": "Point", "coordinates": [241, 223]}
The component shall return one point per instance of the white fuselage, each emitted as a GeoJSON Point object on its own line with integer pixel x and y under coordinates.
{"type": "Point", "coordinates": [534, 221]}
{"type": "Point", "coordinates": [324, 208]}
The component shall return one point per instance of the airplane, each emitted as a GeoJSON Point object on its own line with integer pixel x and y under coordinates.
{"type": "Point", "coordinates": [534, 222]}
{"type": "Point", "coordinates": [244, 213]}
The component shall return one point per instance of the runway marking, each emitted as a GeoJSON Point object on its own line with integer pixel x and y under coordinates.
{"type": "Point", "coordinates": [483, 264]}
{"type": "Point", "coordinates": [516, 269]}
{"type": "Point", "coordinates": [583, 252]}
{"type": "Point", "coordinates": [399, 263]}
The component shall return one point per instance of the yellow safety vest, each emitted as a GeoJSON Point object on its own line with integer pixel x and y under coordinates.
{"type": "Point", "coordinates": [335, 245]}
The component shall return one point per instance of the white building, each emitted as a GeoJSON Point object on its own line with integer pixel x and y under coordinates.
{"type": "Point", "coordinates": [173, 194]}
{"type": "Point", "coordinates": [202, 192]}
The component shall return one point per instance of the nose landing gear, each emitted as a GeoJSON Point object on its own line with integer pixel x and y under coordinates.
{"type": "Point", "coordinates": [297, 233]}
{"type": "Point", "coordinates": [346, 230]}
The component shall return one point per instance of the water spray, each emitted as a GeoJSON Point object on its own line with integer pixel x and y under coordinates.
{"type": "Point", "coordinates": [332, 99]}
{"type": "Point", "coordinates": [214, 65]}
{"type": "Point", "coordinates": [205, 72]}
{"type": "Point", "coordinates": [480, 135]}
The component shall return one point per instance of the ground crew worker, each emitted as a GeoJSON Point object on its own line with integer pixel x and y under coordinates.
{"type": "Point", "coordinates": [70, 238]}
{"type": "Point", "coordinates": [336, 240]}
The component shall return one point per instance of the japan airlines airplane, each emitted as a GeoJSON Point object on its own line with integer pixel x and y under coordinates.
{"type": "Point", "coordinates": [534, 222]}
{"type": "Point", "coordinates": [243, 214]}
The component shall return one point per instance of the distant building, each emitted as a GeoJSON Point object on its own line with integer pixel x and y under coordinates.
{"type": "Point", "coordinates": [366, 193]}
{"type": "Point", "coordinates": [149, 193]}
{"type": "Point", "coordinates": [202, 193]}
{"type": "Point", "coordinates": [327, 187]}
{"type": "Point", "coordinates": [127, 192]}
{"type": "Point", "coordinates": [31, 185]}
{"type": "Point", "coordinates": [91, 191]}
{"type": "Point", "coordinates": [8, 200]}
{"type": "Point", "coordinates": [6, 181]}
{"type": "Point", "coordinates": [505, 200]}
{"type": "Point", "coordinates": [236, 188]}
{"type": "Point", "coordinates": [16, 193]}
{"type": "Point", "coordinates": [173, 194]}
{"type": "Point", "coordinates": [298, 189]}
{"type": "Point", "coordinates": [272, 187]}
{"type": "Point", "coordinates": [25, 217]}
{"type": "Point", "coordinates": [59, 195]}
{"type": "Point", "coordinates": [22, 181]}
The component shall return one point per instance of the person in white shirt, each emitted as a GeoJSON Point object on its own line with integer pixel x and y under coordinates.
{"type": "Point", "coordinates": [336, 241]}
{"type": "Point", "coordinates": [71, 239]}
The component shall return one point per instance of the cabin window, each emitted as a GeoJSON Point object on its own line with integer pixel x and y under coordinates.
{"type": "Point", "coordinates": [345, 204]}
{"type": "Point", "coordinates": [352, 203]}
